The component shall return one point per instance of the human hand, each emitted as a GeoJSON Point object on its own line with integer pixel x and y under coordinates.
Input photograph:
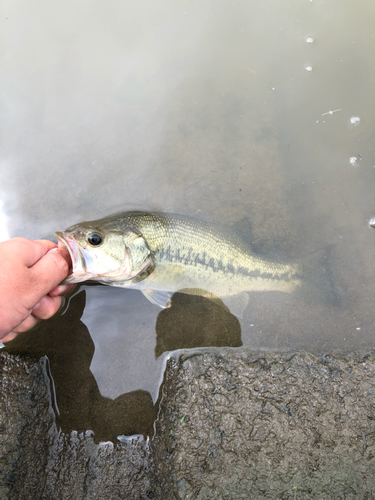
{"type": "Point", "coordinates": [30, 272]}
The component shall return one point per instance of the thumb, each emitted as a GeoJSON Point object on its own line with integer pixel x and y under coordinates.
{"type": "Point", "coordinates": [49, 271]}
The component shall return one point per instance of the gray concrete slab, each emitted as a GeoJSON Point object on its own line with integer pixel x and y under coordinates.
{"type": "Point", "coordinates": [232, 424]}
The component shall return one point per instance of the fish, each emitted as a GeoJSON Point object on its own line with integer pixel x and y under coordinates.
{"type": "Point", "coordinates": [161, 253]}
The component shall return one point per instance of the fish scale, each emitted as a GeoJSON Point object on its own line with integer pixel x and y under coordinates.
{"type": "Point", "coordinates": [195, 244]}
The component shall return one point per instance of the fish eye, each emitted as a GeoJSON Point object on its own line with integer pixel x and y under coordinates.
{"type": "Point", "coordinates": [94, 239]}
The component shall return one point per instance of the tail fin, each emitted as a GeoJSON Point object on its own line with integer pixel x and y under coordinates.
{"type": "Point", "coordinates": [318, 283]}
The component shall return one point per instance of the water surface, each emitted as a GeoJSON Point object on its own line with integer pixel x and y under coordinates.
{"type": "Point", "coordinates": [258, 116]}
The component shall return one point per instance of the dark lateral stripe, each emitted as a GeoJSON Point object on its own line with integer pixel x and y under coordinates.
{"type": "Point", "coordinates": [216, 265]}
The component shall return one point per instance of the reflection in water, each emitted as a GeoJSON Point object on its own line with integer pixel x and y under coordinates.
{"type": "Point", "coordinates": [67, 343]}
{"type": "Point", "coordinates": [69, 347]}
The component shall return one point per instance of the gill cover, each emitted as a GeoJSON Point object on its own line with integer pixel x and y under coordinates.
{"type": "Point", "coordinates": [139, 253]}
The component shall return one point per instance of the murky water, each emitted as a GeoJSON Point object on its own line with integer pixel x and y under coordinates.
{"type": "Point", "coordinates": [258, 116]}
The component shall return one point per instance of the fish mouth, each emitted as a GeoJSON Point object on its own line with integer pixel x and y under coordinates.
{"type": "Point", "coordinates": [79, 272]}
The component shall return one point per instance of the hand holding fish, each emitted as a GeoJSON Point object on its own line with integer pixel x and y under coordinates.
{"type": "Point", "coordinates": [30, 274]}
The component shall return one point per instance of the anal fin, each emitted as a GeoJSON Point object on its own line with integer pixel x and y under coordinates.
{"type": "Point", "coordinates": [236, 303]}
{"type": "Point", "coordinates": [158, 297]}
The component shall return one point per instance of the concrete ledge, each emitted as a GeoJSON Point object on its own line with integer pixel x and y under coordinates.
{"type": "Point", "coordinates": [38, 462]}
{"type": "Point", "coordinates": [274, 426]}
{"type": "Point", "coordinates": [232, 425]}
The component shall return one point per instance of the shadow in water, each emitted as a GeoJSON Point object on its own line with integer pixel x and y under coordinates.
{"type": "Point", "coordinates": [195, 321]}
{"type": "Point", "coordinates": [191, 321]}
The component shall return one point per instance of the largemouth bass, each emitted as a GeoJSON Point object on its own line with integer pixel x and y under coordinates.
{"type": "Point", "coordinates": [160, 254]}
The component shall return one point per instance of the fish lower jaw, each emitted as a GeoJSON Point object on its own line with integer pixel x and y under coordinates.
{"type": "Point", "coordinates": [76, 278]}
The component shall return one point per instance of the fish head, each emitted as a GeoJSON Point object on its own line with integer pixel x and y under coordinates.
{"type": "Point", "coordinates": [104, 253]}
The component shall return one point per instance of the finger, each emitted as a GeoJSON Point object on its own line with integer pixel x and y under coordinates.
{"type": "Point", "coordinates": [29, 251]}
{"type": "Point", "coordinates": [26, 325]}
{"type": "Point", "coordinates": [10, 336]}
{"type": "Point", "coordinates": [46, 307]}
{"type": "Point", "coordinates": [64, 252]}
{"type": "Point", "coordinates": [48, 272]}
{"type": "Point", "coordinates": [61, 290]}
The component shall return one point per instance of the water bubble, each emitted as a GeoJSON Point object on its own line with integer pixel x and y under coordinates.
{"type": "Point", "coordinates": [308, 68]}
{"type": "Point", "coordinates": [353, 161]}
{"type": "Point", "coordinates": [330, 112]}
{"type": "Point", "coordinates": [355, 120]}
{"type": "Point", "coordinates": [309, 39]}
{"type": "Point", "coordinates": [372, 222]}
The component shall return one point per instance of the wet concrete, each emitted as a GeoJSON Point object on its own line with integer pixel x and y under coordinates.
{"type": "Point", "coordinates": [40, 462]}
{"type": "Point", "coordinates": [268, 425]}
{"type": "Point", "coordinates": [232, 424]}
